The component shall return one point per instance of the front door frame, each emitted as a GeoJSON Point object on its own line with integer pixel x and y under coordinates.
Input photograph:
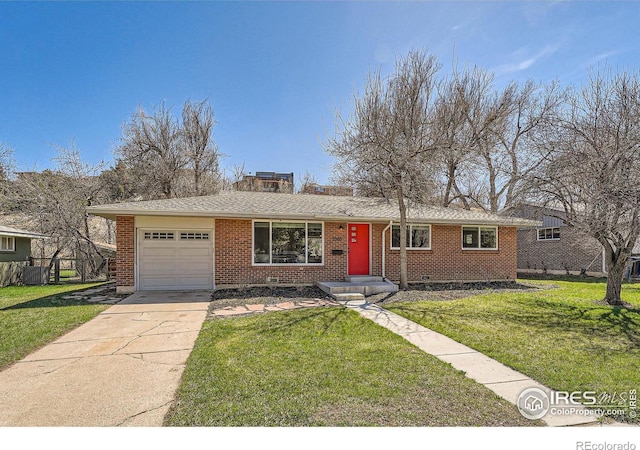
{"type": "Point", "coordinates": [368, 224]}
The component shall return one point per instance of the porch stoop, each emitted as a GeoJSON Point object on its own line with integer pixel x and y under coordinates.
{"type": "Point", "coordinates": [356, 287]}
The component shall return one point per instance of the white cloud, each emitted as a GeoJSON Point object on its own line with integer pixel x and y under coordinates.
{"type": "Point", "coordinates": [523, 60]}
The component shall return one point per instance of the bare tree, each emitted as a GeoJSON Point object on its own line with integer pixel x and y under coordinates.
{"type": "Point", "coordinates": [151, 148]}
{"type": "Point", "coordinates": [7, 167]}
{"type": "Point", "coordinates": [171, 159]}
{"type": "Point", "coordinates": [307, 180]}
{"type": "Point", "coordinates": [593, 170]}
{"type": "Point", "coordinates": [201, 151]}
{"type": "Point", "coordinates": [489, 136]}
{"type": "Point", "coordinates": [54, 203]}
{"type": "Point", "coordinates": [456, 137]}
{"type": "Point", "coordinates": [388, 146]}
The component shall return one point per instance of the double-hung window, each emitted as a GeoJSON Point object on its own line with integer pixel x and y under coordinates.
{"type": "Point", "coordinates": [484, 238]}
{"type": "Point", "coordinates": [7, 244]}
{"type": "Point", "coordinates": [288, 243]}
{"type": "Point", "coordinates": [418, 237]}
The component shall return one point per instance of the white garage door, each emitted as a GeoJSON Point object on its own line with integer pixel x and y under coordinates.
{"type": "Point", "coordinates": [175, 259]}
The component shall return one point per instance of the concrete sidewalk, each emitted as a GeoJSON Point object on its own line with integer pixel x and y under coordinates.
{"type": "Point", "coordinates": [502, 380]}
{"type": "Point", "coordinates": [120, 369]}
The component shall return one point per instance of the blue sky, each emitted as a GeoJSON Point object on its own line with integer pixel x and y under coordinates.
{"type": "Point", "coordinates": [274, 72]}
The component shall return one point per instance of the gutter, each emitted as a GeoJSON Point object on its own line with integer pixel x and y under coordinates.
{"type": "Point", "coordinates": [384, 247]}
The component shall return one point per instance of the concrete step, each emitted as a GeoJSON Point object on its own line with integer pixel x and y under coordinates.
{"type": "Point", "coordinates": [363, 288]}
{"type": "Point", "coordinates": [363, 279]}
{"type": "Point", "coordinates": [351, 298]}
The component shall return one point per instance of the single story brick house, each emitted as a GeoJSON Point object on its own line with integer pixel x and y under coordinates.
{"type": "Point", "coordinates": [251, 238]}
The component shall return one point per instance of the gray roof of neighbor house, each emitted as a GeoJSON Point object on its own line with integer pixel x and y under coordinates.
{"type": "Point", "coordinates": [9, 231]}
{"type": "Point", "coordinates": [265, 205]}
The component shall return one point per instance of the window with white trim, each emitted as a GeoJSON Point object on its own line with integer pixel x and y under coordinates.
{"type": "Point", "coordinates": [548, 234]}
{"type": "Point", "coordinates": [7, 244]}
{"type": "Point", "coordinates": [288, 243]}
{"type": "Point", "coordinates": [418, 237]}
{"type": "Point", "coordinates": [484, 238]}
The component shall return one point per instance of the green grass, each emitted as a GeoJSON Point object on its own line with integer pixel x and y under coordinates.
{"type": "Point", "coordinates": [31, 316]}
{"type": "Point", "coordinates": [560, 337]}
{"type": "Point", "coordinates": [324, 367]}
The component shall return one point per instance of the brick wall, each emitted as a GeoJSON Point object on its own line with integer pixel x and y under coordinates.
{"type": "Point", "coordinates": [125, 256]}
{"type": "Point", "coordinates": [234, 255]}
{"type": "Point", "coordinates": [573, 252]}
{"type": "Point", "coordinates": [446, 261]}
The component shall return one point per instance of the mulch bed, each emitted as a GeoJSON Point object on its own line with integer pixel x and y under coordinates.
{"type": "Point", "coordinates": [270, 295]}
{"type": "Point", "coordinates": [267, 295]}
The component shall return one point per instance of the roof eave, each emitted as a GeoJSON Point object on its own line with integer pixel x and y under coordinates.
{"type": "Point", "coordinates": [110, 214]}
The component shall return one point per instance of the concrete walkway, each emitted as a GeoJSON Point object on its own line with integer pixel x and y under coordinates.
{"type": "Point", "coordinates": [120, 369]}
{"type": "Point", "coordinates": [502, 380]}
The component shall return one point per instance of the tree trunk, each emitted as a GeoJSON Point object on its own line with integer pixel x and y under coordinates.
{"type": "Point", "coordinates": [616, 265]}
{"type": "Point", "coordinates": [403, 240]}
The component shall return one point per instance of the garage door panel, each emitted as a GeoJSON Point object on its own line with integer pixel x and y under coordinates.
{"type": "Point", "coordinates": [165, 264]}
{"type": "Point", "coordinates": [193, 252]}
{"type": "Point", "coordinates": [160, 252]}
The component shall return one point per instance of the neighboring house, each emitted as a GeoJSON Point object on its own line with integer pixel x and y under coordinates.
{"type": "Point", "coordinates": [247, 238]}
{"type": "Point", "coordinates": [318, 189]}
{"type": "Point", "coordinates": [266, 182]}
{"type": "Point", "coordinates": [15, 250]}
{"type": "Point", "coordinates": [554, 247]}
{"type": "Point", "coordinates": [15, 244]}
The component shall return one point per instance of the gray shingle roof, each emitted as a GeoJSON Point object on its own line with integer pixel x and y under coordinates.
{"type": "Point", "coordinates": [263, 205]}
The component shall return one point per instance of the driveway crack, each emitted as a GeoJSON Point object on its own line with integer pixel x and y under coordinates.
{"type": "Point", "coordinates": [143, 412]}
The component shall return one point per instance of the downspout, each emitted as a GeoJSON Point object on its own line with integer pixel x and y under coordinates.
{"type": "Point", "coordinates": [384, 247]}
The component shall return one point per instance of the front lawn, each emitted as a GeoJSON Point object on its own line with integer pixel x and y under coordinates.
{"type": "Point", "coordinates": [31, 316]}
{"type": "Point", "coordinates": [325, 367]}
{"type": "Point", "coordinates": [563, 337]}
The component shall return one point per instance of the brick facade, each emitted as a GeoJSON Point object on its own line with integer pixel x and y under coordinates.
{"type": "Point", "coordinates": [125, 256]}
{"type": "Point", "coordinates": [573, 252]}
{"type": "Point", "coordinates": [234, 255]}
{"type": "Point", "coordinates": [446, 261]}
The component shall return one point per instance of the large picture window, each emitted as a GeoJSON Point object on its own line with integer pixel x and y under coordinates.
{"type": "Point", "coordinates": [287, 243]}
{"type": "Point", "coordinates": [418, 237]}
{"type": "Point", "coordinates": [480, 237]}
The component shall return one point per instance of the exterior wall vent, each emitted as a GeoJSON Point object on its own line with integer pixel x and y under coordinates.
{"type": "Point", "coordinates": [273, 280]}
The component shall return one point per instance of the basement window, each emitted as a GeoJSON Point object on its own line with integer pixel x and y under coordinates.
{"type": "Point", "coordinates": [483, 238]}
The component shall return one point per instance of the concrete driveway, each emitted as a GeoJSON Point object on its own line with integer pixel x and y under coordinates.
{"type": "Point", "coordinates": [120, 369]}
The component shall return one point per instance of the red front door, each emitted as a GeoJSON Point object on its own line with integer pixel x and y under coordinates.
{"type": "Point", "coordinates": [358, 240]}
